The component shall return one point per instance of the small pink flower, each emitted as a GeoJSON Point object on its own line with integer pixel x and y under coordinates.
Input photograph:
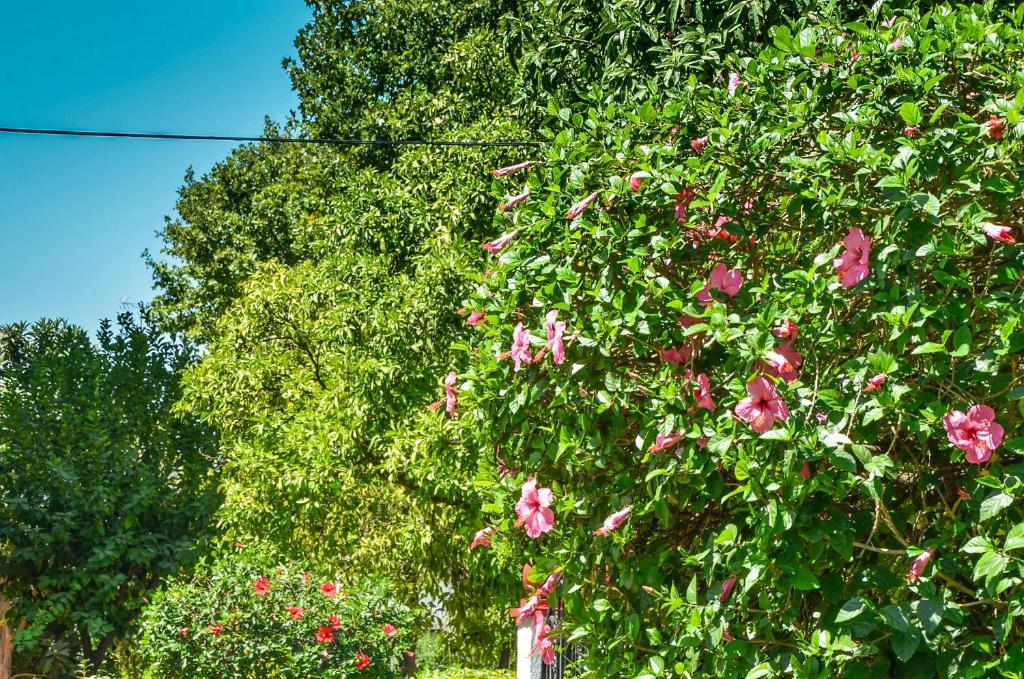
{"type": "Point", "coordinates": [329, 590]}
{"type": "Point", "coordinates": [702, 442]}
{"type": "Point", "coordinates": [727, 587]}
{"type": "Point", "coordinates": [476, 318]}
{"type": "Point", "coordinates": [975, 433]}
{"type": "Point", "coordinates": [534, 509]}
{"type": "Point", "coordinates": [636, 180]}
{"type": "Point", "coordinates": [496, 246]}
{"type": "Point", "coordinates": [852, 265]}
{"type": "Point", "coordinates": [672, 356]}
{"type": "Point", "coordinates": [785, 361]}
{"type": "Point", "coordinates": [875, 383]}
{"type": "Point", "coordinates": [514, 201]}
{"type": "Point", "coordinates": [805, 470]}
{"type": "Point", "coordinates": [734, 83]}
{"type": "Point", "coordinates": [261, 586]}
{"type": "Point", "coordinates": [483, 538]}
{"type": "Point", "coordinates": [778, 362]}
{"type": "Point", "coordinates": [577, 209]}
{"type": "Point", "coordinates": [451, 395]}
{"type": "Point", "coordinates": [521, 347]}
{"type": "Point", "coordinates": [910, 131]}
{"type": "Point", "coordinates": [549, 585]}
{"type": "Point", "coordinates": [663, 442]}
{"type": "Point", "coordinates": [703, 393]}
{"type": "Point", "coordinates": [555, 329]}
{"type": "Point", "coordinates": [896, 44]}
{"type": "Point", "coordinates": [788, 330]}
{"type": "Point", "coordinates": [762, 406]}
{"type": "Point", "coordinates": [699, 144]}
{"type": "Point", "coordinates": [918, 565]}
{"type": "Point", "coordinates": [998, 232]}
{"type": "Point", "coordinates": [613, 522]}
{"type": "Point", "coordinates": [296, 612]}
{"type": "Point", "coordinates": [994, 127]}
{"type": "Point", "coordinates": [685, 197]}
{"type": "Point", "coordinates": [544, 645]}
{"type": "Point", "coordinates": [821, 417]}
{"type": "Point", "coordinates": [723, 280]}
{"type": "Point", "coordinates": [389, 630]}
{"type": "Point", "coordinates": [964, 495]}
{"type": "Point", "coordinates": [719, 232]}
{"type": "Point", "coordinates": [511, 169]}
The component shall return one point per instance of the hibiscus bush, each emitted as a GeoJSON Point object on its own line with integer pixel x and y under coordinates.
{"type": "Point", "coordinates": [251, 617]}
{"type": "Point", "coordinates": [746, 362]}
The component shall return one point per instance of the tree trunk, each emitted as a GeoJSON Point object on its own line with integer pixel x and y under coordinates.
{"type": "Point", "coordinates": [6, 641]}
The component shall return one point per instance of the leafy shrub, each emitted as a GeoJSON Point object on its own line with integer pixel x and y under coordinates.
{"type": "Point", "coordinates": [819, 251]}
{"type": "Point", "coordinates": [247, 618]}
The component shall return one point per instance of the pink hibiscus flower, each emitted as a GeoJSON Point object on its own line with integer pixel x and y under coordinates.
{"type": "Point", "coordinates": [613, 522]}
{"type": "Point", "coordinates": [727, 588]}
{"type": "Point", "coordinates": [555, 329]}
{"type": "Point", "coordinates": [975, 433]}
{"type": "Point", "coordinates": [762, 406]}
{"type": "Point", "coordinates": [451, 396]}
{"type": "Point", "coordinates": [483, 538]}
{"type": "Point", "coordinates": [664, 442]}
{"type": "Point", "coordinates": [875, 383]}
{"type": "Point", "coordinates": [703, 393]}
{"type": "Point", "coordinates": [994, 127]}
{"type": "Point", "coordinates": [577, 209]}
{"type": "Point", "coordinates": [521, 347]}
{"type": "Point", "coordinates": [636, 180]}
{"type": "Point", "coordinates": [534, 509]}
{"type": "Point", "coordinates": [918, 565]}
{"type": "Point", "coordinates": [511, 169]}
{"type": "Point", "coordinates": [685, 197]}
{"type": "Point", "coordinates": [699, 144]}
{"type": "Point", "coordinates": [476, 318]}
{"type": "Point", "coordinates": [1003, 234]}
{"type": "Point", "coordinates": [722, 279]}
{"type": "Point", "coordinates": [852, 265]}
{"type": "Point", "coordinates": [514, 201]}
{"type": "Point", "coordinates": [734, 83]}
{"type": "Point", "coordinates": [496, 246]}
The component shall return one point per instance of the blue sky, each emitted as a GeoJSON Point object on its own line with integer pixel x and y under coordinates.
{"type": "Point", "coordinates": [76, 214]}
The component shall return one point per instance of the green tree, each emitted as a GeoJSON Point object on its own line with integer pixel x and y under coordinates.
{"type": "Point", "coordinates": [869, 527]}
{"type": "Point", "coordinates": [104, 490]}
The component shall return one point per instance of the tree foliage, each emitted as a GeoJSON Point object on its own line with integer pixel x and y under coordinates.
{"type": "Point", "coordinates": [103, 489]}
{"type": "Point", "coordinates": [845, 534]}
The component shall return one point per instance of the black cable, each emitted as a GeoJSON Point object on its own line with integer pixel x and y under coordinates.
{"type": "Point", "coordinates": [282, 140]}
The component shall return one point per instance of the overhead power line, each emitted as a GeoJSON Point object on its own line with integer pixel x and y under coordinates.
{"type": "Point", "coordinates": [276, 140]}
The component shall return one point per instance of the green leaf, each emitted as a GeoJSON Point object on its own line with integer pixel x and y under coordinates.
{"type": "Point", "coordinates": [978, 545]}
{"type": "Point", "coordinates": [896, 617]}
{"type": "Point", "coordinates": [928, 348]}
{"type": "Point", "coordinates": [911, 113]}
{"type": "Point", "coordinates": [929, 612]}
{"type": "Point", "coordinates": [851, 609]}
{"type": "Point", "coordinates": [993, 505]}
{"type": "Point", "coordinates": [990, 564]}
{"type": "Point", "coordinates": [1015, 538]}
{"type": "Point", "coordinates": [904, 644]}
{"type": "Point", "coordinates": [758, 671]}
